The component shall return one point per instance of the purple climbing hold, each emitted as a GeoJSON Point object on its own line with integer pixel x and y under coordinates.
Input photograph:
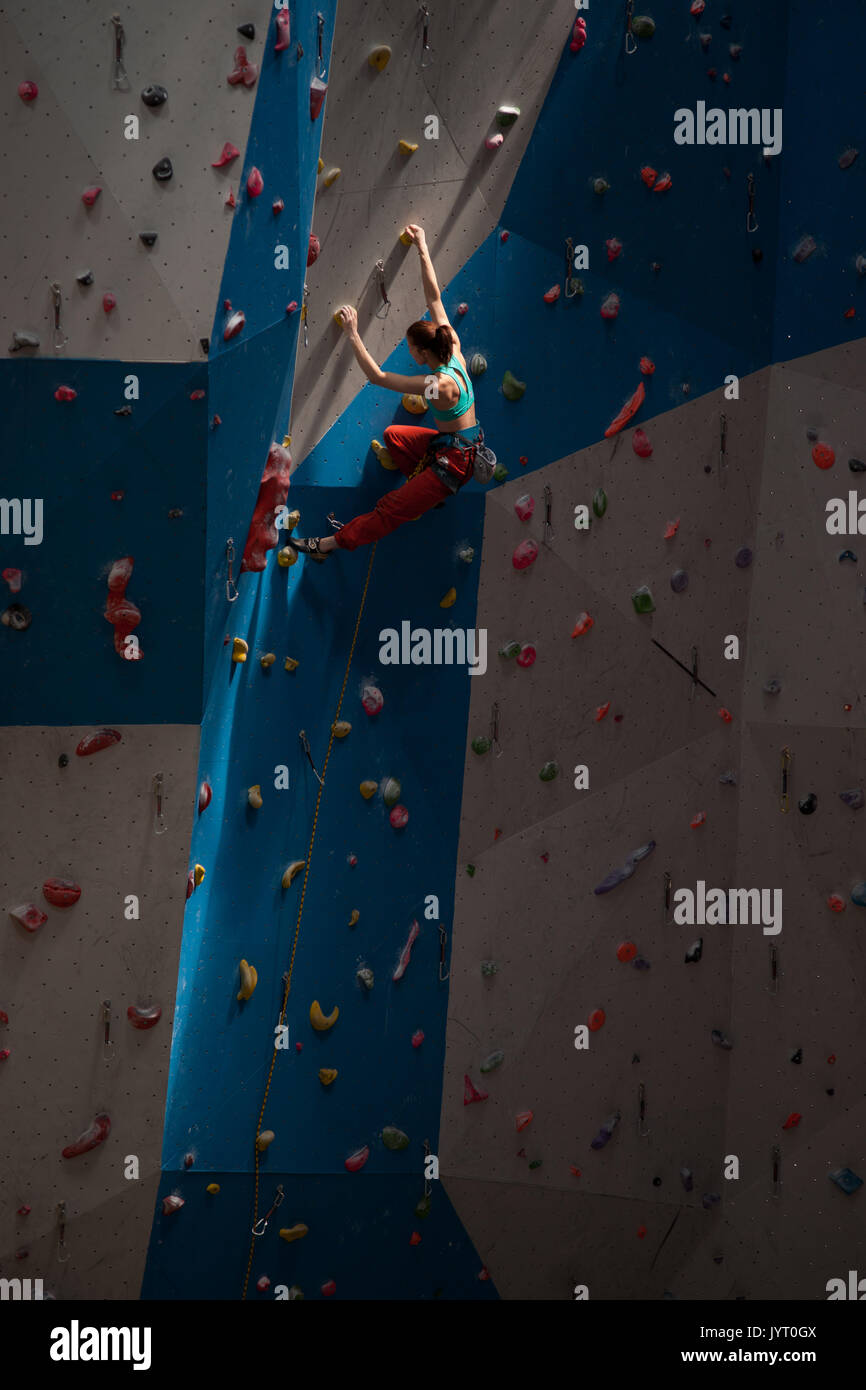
{"type": "Point", "coordinates": [804, 248]}
{"type": "Point", "coordinates": [679, 581]}
{"type": "Point", "coordinates": [710, 1200]}
{"type": "Point", "coordinates": [853, 798]}
{"type": "Point", "coordinates": [606, 1130]}
{"type": "Point", "coordinates": [687, 1178]}
{"type": "Point", "coordinates": [743, 558]}
{"type": "Point", "coordinates": [846, 159]}
{"type": "Point", "coordinates": [619, 875]}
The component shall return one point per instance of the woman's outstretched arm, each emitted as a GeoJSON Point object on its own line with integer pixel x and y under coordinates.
{"type": "Point", "coordinates": [432, 292]}
{"type": "Point", "coordinates": [392, 381]}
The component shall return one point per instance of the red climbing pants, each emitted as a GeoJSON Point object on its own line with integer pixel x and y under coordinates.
{"type": "Point", "coordinates": [407, 445]}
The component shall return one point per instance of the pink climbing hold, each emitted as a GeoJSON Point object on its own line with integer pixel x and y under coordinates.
{"type": "Point", "coordinates": [318, 90]}
{"type": "Point", "coordinates": [526, 656]}
{"type": "Point", "coordinates": [205, 792]}
{"type": "Point", "coordinates": [471, 1093]}
{"type": "Point", "coordinates": [255, 182]}
{"type": "Point", "coordinates": [144, 1017]}
{"type": "Point", "coordinates": [61, 892]}
{"type": "Point", "coordinates": [399, 817]}
{"type": "Point", "coordinates": [273, 491]}
{"type": "Point", "coordinates": [29, 916]}
{"type": "Point", "coordinates": [462, 309]}
{"type": "Point", "coordinates": [28, 91]}
{"type": "Point", "coordinates": [284, 31]}
{"type": "Point", "coordinates": [524, 506]}
{"type": "Point", "coordinates": [417, 1038]}
{"type": "Point", "coordinates": [663, 184]}
{"type": "Point", "coordinates": [234, 321]}
{"type": "Point", "coordinates": [92, 1137]}
{"type": "Point", "coordinates": [647, 366]}
{"type": "Point", "coordinates": [263, 1283]}
{"type": "Point", "coordinates": [550, 296]}
{"type": "Point", "coordinates": [614, 247]}
{"type": "Point", "coordinates": [65, 393]}
{"type": "Point", "coordinates": [641, 445]}
{"type": "Point", "coordinates": [372, 699]}
{"type": "Point", "coordinates": [13, 579]}
{"type": "Point", "coordinates": [596, 1020]}
{"type": "Point", "coordinates": [95, 742]}
{"type": "Point", "coordinates": [355, 1162]}
{"type": "Point", "coordinates": [578, 35]}
{"type": "Point", "coordinates": [243, 71]}
{"type": "Point", "coordinates": [90, 195]}
{"type": "Point", "coordinates": [524, 1119]}
{"type": "Point", "coordinates": [610, 306]}
{"type": "Point", "coordinates": [277, 206]}
{"type": "Point", "coordinates": [406, 952]}
{"type": "Point", "coordinates": [229, 152]}
{"type": "Point", "coordinates": [171, 1204]}
{"type": "Point", "coordinates": [493, 142]}
{"type": "Point", "coordinates": [525, 554]}
{"type": "Point", "coordinates": [108, 302]}
{"type": "Point", "coordinates": [313, 249]}
{"type": "Point", "coordinates": [583, 624]}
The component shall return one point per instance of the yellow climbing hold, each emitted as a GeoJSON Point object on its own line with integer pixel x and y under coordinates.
{"type": "Point", "coordinates": [332, 176]}
{"type": "Point", "coordinates": [291, 1233]}
{"type": "Point", "coordinates": [327, 1075]}
{"type": "Point", "coordinates": [320, 1021]}
{"type": "Point", "coordinates": [340, 728]}
{"type": "Point", "coordinates": [268, 659]}
{"type": "Point", "coordinates": [287, 439]}
{"type": "Point", "coordinates": [354, 917]}
{"type": "Point", "coordinates": [249, 980]}
{"type": "Point", "coordinates": [239, 649]}
{"type": "Point", "coordinates": [292, 520]}
{"type": "Point", "coordinates": [382, 455]}
{"type": "Point", "coordinates": [337, 320]}
{"type": "Point", "coordinates": [405, 239]}
{"type": "Point", "coordinates": [321, 165]}
{"type": "Point", "coordinates": [213, 1188]}
{"type": "Point", "coordinates": [368, 789]}
{"type": "Point", "coordinates": [198, 874]}
{"type": "Point", "coordinates": [416, 405]}
{"type": "Point", "coordinates": [287, 556]}
{"type": "Point", "coordinates": [406, 147]}
{"type": "Point", "coordinates": [379, 57]}
{"type": "Point", "coordinates": [449, 600]}
{"type": "Point", "coordinates": [292, 872]}
{"type": "Point", "coordinates": [254, 797]}
{"type": "Point", "coordinates": [290, 664]}
{"type": "Point", "coordinates": [265, 1139]}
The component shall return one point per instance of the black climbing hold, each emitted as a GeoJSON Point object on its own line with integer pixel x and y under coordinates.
{"type": "Point", "coordinates": [728, 779]}
{"type": "Point", "coordinates": [847, 555]}
{"type": "Point", "coordinates": [708, 468]}
{"type": "Point", "coordinates": [831, 1091]}
{"type": "Point", "coordinates": [717, 1259]}
{"type": "Point", "coordinates": [154, 95]}
{"type": "Point", "coordinates": [204, 344]}
{"type": "Point", "coordinates": [634, 1059]}
{"type": "Point", "coordinates": [797, 1056]}
{"type": "Point", "coordinates": [163, 170]}
{"type": "Point", "coordinates": [695, 951]}
{"type": "Point", "coordinates": [85, 278]}
{"type": "Point", "coordinates": [811, 434]}
{"type": "Point", "coordinates": [148, 238]}
{"type": "Point", "coordinates": [808, 804]}
{"type": "Point", "coordinates": [640, 963]}
{"type": "Point", "coordinates": [17, 617]}
{"type": "Point", "coordinates": [757, 255]}
{"type": "Point", "coordinates": [857, 465]}
{"type": "Point", "coordinates": [679, 581]}
{"type": "Point", "coordinates": [743, 558]}
{"type": "Point", "coordinates": [726, 21]}
{"type": "Point", "coordinates": [657, 1182]}
{"type": "Point", "coordinates": [63, 760]}
{"type": "Point", "coordinates": [123, 410]}
{"type": "Point", "coordinates": [721, 1039]}
{"type": "Point", "coordinates": [248, 30]}
{"type": "Point", "coordinates": [772, 687]}
{"type": "Point", "coordinates": [175, 512]}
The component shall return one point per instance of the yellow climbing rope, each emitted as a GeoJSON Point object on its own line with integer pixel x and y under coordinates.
{"type": "Point", "coordinates": [288, 975]}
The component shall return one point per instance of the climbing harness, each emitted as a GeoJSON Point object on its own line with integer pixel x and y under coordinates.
{"type": "Point", "coordinates": [641, 1112]}
{"type": "Point", "coordinates": [572, 284]}
{"type": "Point", "coordinates": [548, 506]}
{"type": "Point", "coordinates": [287, 977]}
{"type": "Point", "coordinates": [723, 450]}
{"type": "Point", "coordinates": [751, 224]}
{"type": "Point", "coordinates": [159, 821]}
{"type": "Point", "coordinates": [786, 767]}
{"type": "Point", "coordinates": [494, 729]}
{"type": "Point", "coordinates": [426, 50]}
{"type": "Point", "coordinates": [59, 340]}
{"type": "Point", "coordinates": [380, 279]}
{"type": "Point", "coordinates": [119, 79]}
{"type": "Point", "coordinates": [629, 36]}
{"type": "Point", "coordinates": [230, 583]}
{"type": "Point", "coordinates": [448, 470]}
{"type": "Point", "coordinates": [306, 747]}
{"type": "Point", "coordinates": [262, 1224]}
{"type": "Point", "coordinates": [320, 40]}
{"type": "Point", "coordinates": [443, 942]}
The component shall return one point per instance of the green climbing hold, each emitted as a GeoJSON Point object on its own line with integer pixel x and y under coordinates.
{"type": "Point", "coordinates": [489, 967]}
{"type": "Point", "coordinates": [536, 1163]}
{"type": "Point", "coordinates": [391, 791]}
{"type": "Point", "coordinates": [481, 745]}
{"type": "Point", "coordinates": [500, 473]}
{"type": "Point", "coordinates": [599, 502]}
{"type": "Point", "coordinates": [643, 26]}
{"type": "Point", "coordinates": [470, 869]}
{"type": "Point", "coordinates": [365, 977]}
{"type": "Point", "coordinates": [549, 771]}
{"type": "Point", "coordinates": [600, 186]}
{"type": "Point", "coordinates": [643, 600]}
{"type": "Point", "coordinates": [295, 1294]}
{"type": "Point", "coordinates": [509, 649]}
{"type": "Point", "coordinates": [423, 1207]}
{"type": "Point", "coordinates": [512, 389]}
{"type": "Point", "coordinates": [576, 287]}
{"type": "Point", "coordinates": [477, 364]}
{"type": "Point", "coordinates": [493, 1061]}
{"type": "Point", "coordinates": [506, 116]}
{"type": "Point", "coordinates": [394, 1138]}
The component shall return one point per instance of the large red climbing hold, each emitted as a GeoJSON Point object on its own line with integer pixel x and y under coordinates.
{"type": "Point", "coordinates": [229, 152]}
{"type": "Point", "coordinates": [313, 249]}
{"type": "Point", "coordinates": [61, 892]}
{"type": "Point", "coordinates": [355, 1162]}
{"type": "Point", "coordinates": [630, 408]}
{"type": "Point", "coordinates": [610, 306]}
{"type": "Point", "coordinates": [255, 182]}
{"type": "Point", "coordinates": [95, 742]}
{"type": "Point", "coordinates": [823, 456]}
{"type": "Point", "coordinates": [663, 184]}
{"type": "Point", "coordinates": [171, 1203]}
{"type": "Point", "coordinates": [406, 953]}
{"type": "Point", "coordinates": [243, 71]}
{"type": "Point", "coordinates": [578, 35]}
{"type": "Point", "coordinates": [120, 611]}
{"type": "Point", "coordinates": [399, 817]}
{"type": "Point", "coordinates": [205, 792]}
{"type": "Point", "coordinates": [372, 699]}
{"type": "Point", "coordinates": [29, 916]}
{"type": "Point", "coordinates": [329, 1289]}
{"type": "Point", "coordinates": [284, 31]}
{"type": "Point", "coordinates": [144, 1017]}
{"type": "Point", "coordinates": [524, 506]}
{"type": "Point", "coordinates": [471, 1093]}
{"type": "Point", "coordinates": [97, 1133]}
{"type": "Point", "coordinates": [524, 1118]}
{"type": "Point", "coordinates": [65, 393]}
{"type": "Point", "coordinates": [641, 445]}
{"type": "Point", "coordinates": [417, 1038]}
{"type": "Point", "coordinates": [626, 952]}
{"type": "Point", "coordinates": [527, 655]}
{"type": "Point", "coordinates": [596, 1020]}
{"type": "Point", "coordinates": [525, 554]}
{"type": "Point", "coordinates": [318, 90]}
{"type": "Point", "coordinates": [273, 491]}
{"type": "Point", "coordinates": [234, 322]}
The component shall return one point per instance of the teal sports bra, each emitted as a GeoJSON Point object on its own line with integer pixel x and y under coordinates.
{"type": "Point", "coordinates": [466, 398]}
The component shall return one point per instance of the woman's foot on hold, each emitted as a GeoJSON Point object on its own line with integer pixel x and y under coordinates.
{"type": "Point", "coordinates": [317, 547]}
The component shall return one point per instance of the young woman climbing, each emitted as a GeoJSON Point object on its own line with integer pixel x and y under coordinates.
{"type": "Point", "coordinates": [436, 462]}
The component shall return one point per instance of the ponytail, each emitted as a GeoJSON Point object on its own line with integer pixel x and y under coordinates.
{"type": "Point", "coordinates": [438, 340]}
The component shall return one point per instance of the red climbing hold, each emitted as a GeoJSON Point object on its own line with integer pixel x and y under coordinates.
{"type": "Point", "coordinates": [120, 611]}
{"type": "Point", "coordinates": [372, 699]}
{"type": "Point", "coordinates": [29, 916]}
{"type": "Point", "coordinates": [355, 1162]}
{"type": "Point", "coordinates": [523, 1120]}
{"type": "Point", "coordinates": [525, 554]}
{"type": "Point", "coordinates": [583, 624]}
{"type": "Point", "coordinates": [647, 366]}
{"type": "Point", "coordinates": [697, 7]}
{"type": "Point", "coordinates": [255, 183]}
{"type": "Point", "coordinates": [233, 324]}
{"type": "Point", "coordinates": [601, 712]}
{"type": "Point", "coordinates": [5, 1054]}
{"type": "Point", "coordinates": [273, 491]}
{"type": "Point", "coordinates": [28, 91]}
{"type": "Point", "coordinates": [725, 714]}
{"type": "Point", "coordinates": [4, 1018]}
{"type": "Point", "coordinates": [417, 1038]}
{"type": "Point", "coordinates": [671, 529]}
{"type": "Point", "coordinates": [641, 1230]}
{"type": "Point", "coordinates": [91, 1138]}
{"type": "Point", "coordinates": [61, 892]}
{"type": "Point", "coordinates": [596, 1020]}
{"type": "Point", "coordinates": [614, 247]}
{"type": "Point", "coordinates": [263, 1283]}
{"type": "Point", "coordinates": [524, 506]}
{"type": "Point", "coordinates": [190, 884]}
{"type": "Point", "coordinates": [835, 903]}
{"type": "Point", "coordinates": [230, 200]}
{"type": "Point", "coordinates": [144, 1018]}
{"type": "Point", "coordinates": [629, 409]}
{"type": "Point", "coordinates": [399, 817]}
{"type": "Point", "coordinates": [823, 456]}
{"type": "Point", "coordinates": [108, 302]}
{"type": "Point", "coordinates": [90, 195]}
{"type": "Point", "coordinates": [578, 35]}
{"type": "Point", "coordinates": [649, 175]}
{"type": "Point", "coordinates": [318, 89]}
{"type": "Point", "coordinates": [406, 952]}
{"type": "Point", "coordinates": [329, 1289]}
{"type": "Point", "coordinates": [698, 819]}
{"type": "Point", "coordinates": [299, 1047]}
{"type": "Point", "coordinates": [526, 656]}
{"type": "Point", "coordinates": [171, 1203]}
{"type": "Point", "coordinates": [284, 31]}
{"type": "Point", "coordinates": [198, 395]}
{"type": "Point", "coordinates": [95, 742]}
{"type": "Point", "coordinates": [626, 952]}
{"type": "Point", "coordinates": [663, 184]}
{"type": "Point", "coordinates": [610, 306]}
{"type": "Point", "coordinates": [551, 295]}
{"type": "Point", "coordinates": [792, 1121]}
{"type": "Point", "coordinates": [13, 578]}
{"type": "Point", "coordinates": [848, 314]}
{"type": "Point", "coordinates": [415, 1238]}
{"type": "Point", "coordinates": [277, 206]}
{"type": "Point", "coordinates": [471, 1093]}
{"type": "Point", "coordinates": [229, 152]}
{"type": "Point", "coordinates": [641, 445]}
{"type": "Point", "coordinates": [243, 71]}
{"type": "Point", "coordinates": [503, 236]}
{"type": "Point", "coordinates": [313, 249]}
{"type": "Point", "coordinates": [291, 308]}
{"type": "Point", "coordinates": [65, 393]}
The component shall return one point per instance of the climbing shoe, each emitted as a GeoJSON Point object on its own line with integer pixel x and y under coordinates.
{"type": "Point", "coordinates": [309, 546]}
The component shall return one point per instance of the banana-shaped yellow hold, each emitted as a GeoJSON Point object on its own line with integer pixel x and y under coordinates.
{"type": "Point", "coordinates": [354, 917]}
{"type": "Point", "coordinates": [382, 455]}
{"type": "Point", "coordinates": [254, 797]}
{"type": "Point", "coordinates": [327, 1075]}
{"type": "Point", "coordinates": [249, 980]}
{"type": "Point", "coordinates": [292, 872]}
{"type": "Point", "coordinates": [449, 600]}
{"type": "Point", "coordinates": [332, 176]}
{"type": "Point", "coordinates": [291, 1233]}
{"type": "Point", "coordinates": [239, 649]}
{"type": "Point", "coordinates": [320, 1022]}
{"type": "Point", "coordinates": [406, 147]}
{"type": "Point", "coordinates": [321, 164]}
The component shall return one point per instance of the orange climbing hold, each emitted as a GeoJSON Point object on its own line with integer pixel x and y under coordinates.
{"type": "Point", "coordinates": [601, 712]}
{"type": "Point", "coordinates": [671, 529]}
{"type": "Point", "coordinates": [698, 819]}
{"type": "Point", "coordinates": [629, 409]}
{"type": "Point", "coordinates": [523, 1119]}
{"type": "Point", "coordinates": [583, 624]}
